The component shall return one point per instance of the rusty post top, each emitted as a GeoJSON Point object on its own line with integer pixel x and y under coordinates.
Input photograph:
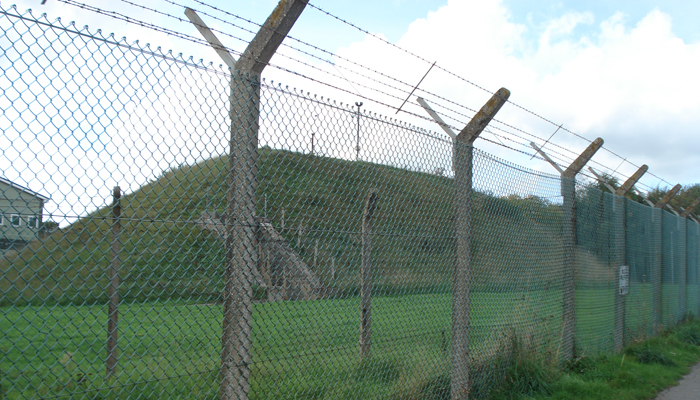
{"type": "Point", "coordinates": [690, 208]}
{"type": "Point", "coordinates": [265, 43]}
{"type": "Point", "coordinates": [668, 196]}
{"type": "Point", "coordinates": [625, 187]}
{"type": "Point", "coordinates": [483, 117]}
{"type": "Point", "coordinates": [582, 159]}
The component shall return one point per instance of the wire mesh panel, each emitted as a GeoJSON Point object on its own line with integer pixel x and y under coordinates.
{"type": "Point", "coordinates": [595, 274]}
{"type": "Point", "coordinates": [693, 267]}
{"type": "Point", "coordinates": [639, 309]}
{"type": "Point", "coordinates": [673, 269]}
{"type": "Point", "coordinates": [516, 269]}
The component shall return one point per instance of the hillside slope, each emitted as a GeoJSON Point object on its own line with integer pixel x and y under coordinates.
{"type": "Point", "coordinates": [165, 255]}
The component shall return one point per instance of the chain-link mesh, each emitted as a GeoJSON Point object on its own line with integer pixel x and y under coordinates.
{"type": "Point", "coordinates": [264, 242]}
{"type": "Point", "coordinates": [641, 246]}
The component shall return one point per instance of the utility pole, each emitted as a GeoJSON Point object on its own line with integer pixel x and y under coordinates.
{"type": "Point", "coordinates": [241, 224]}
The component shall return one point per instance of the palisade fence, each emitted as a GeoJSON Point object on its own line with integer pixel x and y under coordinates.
{"type": "Point", "coordinates": [334, 279]}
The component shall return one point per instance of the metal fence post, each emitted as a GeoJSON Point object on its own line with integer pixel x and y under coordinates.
{"type": "Point", "coordinates": [461, 275]}
{"type": "Point", "coordinates": [113, 291]}
{"type": "Point", "coordinates": [366, 276]}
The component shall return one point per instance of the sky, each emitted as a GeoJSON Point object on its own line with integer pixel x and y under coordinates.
{"type": "Point", "coordinates": [625, 71]}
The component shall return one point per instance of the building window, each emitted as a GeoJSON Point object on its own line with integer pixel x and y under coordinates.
{"type": "Point", "coordinates": [33, 222]}
{"type": "Point", "coordinates": [15, 220]}
{"type": "Point", "coordinates": [2, 219]}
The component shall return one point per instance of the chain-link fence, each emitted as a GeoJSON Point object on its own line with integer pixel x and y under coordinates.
{"type": "Point", "coordinates": [268, 243]}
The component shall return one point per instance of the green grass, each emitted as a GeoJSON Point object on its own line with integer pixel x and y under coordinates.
{"type": "Point", "coordinates": [305, 349]}
{"type": "Point", "coordinates": [639, 372]}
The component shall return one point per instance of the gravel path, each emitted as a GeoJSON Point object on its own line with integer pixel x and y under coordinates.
{"type": "Point", "coordinates": [687, 389]}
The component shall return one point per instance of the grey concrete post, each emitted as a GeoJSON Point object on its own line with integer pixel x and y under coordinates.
{"type": "Point", "coordinates": [683, 267]}
{"type": "Point", "coordinates": [241, 252]}
{"type": "Point", "coordinates": [619, 259]}
{"type": "Point", "coordinates": [657, 267]}
{"type": "Point", "coordinates": [568, 192]}
{"type": "Point", "coordinates": [461, 275]}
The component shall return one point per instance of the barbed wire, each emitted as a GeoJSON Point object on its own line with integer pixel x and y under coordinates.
{"type": "Point", "coordinates": [358, 64]}
{"type": "Point", "coordinates": [193, 39]}
{"type": "Point", "coordinates": [476, 85]}
{"type": "Point", "coordinates": [611, 170]}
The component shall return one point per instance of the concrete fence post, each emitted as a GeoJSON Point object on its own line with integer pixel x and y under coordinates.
{"type": "Point", "coordinates": [241, 254]}
{"type": "Point", "coordinates": [568, 192]}
{"type": "Point", "coordinates": [461, 276]}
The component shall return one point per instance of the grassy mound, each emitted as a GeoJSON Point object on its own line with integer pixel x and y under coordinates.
{"type": "Point", "coordinates": [166, 256]}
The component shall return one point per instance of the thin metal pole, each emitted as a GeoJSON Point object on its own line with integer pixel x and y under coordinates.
{"type": "Point", "coordinates": [357, 156]}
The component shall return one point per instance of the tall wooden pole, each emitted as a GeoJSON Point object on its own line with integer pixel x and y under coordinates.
{"type": "Point", "coordinates": [366, 276]}
{"type": "Point", "coordinates": [113, 291]}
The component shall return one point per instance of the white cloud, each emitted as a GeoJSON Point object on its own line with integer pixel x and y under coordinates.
{"type": "Point", "coordinates": [635, 86]}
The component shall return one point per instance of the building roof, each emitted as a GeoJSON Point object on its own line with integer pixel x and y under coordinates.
{"type": "Point", "coordinates": [24, 189]}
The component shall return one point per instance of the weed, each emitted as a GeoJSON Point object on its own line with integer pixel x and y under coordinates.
{"type": "Point", "coordinates": [648, 355]}
{"type": "Point", "coordinates": [690, 336]}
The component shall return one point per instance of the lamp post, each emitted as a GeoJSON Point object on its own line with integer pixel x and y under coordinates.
{"type": "Point", "coordinates": [313, 133]}
{"type": "Point", "coordinates": [357, 149]}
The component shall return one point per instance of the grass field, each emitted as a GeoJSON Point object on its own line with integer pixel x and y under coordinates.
{"type": "Point", "coordinates": [306, 349]}
{"type": "Point", "coordinates": [303, 349]}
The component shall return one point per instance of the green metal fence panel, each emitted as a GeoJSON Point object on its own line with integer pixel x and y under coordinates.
{"type": "Point", "coordinates": [640, 247]}
{"type": "Point", "coordinates": [693, 267]}
{"type": "Point", "coordinates": [672, 276]}
{"type": "Point", "coordinates": [595, 283]}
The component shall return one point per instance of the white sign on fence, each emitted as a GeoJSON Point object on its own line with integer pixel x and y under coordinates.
{"type": "Point", "coordinates": [624, 280]}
